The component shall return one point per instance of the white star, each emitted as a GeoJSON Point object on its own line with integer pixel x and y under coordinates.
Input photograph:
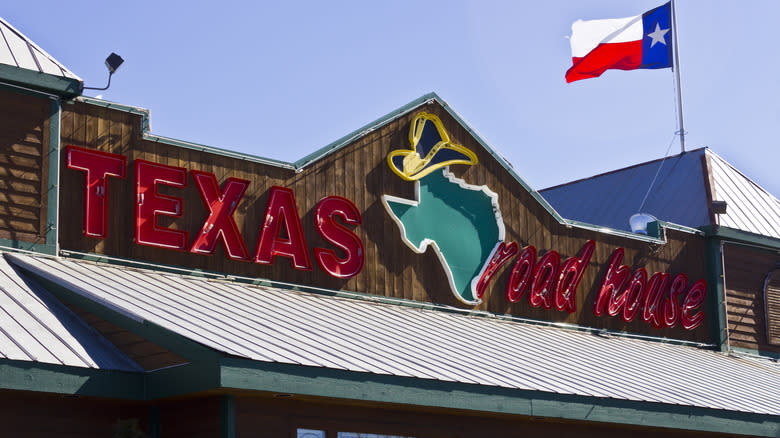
{"type": "Point", "coordinates": [658, 35]}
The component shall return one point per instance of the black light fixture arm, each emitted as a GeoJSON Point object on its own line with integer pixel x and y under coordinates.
{"type": "Point", "coordinates": [112, 63]}
{"type": "Point", "coordinates": [104, 88]}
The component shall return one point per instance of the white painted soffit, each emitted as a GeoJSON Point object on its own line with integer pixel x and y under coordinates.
{"type": "Point", "coordinates": [276, 325]}
{"type": "Point", "coordinates": [19, 51]}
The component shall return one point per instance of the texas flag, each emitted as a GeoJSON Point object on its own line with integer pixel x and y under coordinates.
{"type": "Point", "coordinates": [642, 41]}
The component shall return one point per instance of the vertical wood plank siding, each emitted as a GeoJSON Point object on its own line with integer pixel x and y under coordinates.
{"type": "Point", "coordinates": [745, 272]}
{"type": "Point", "coordinates": [358, 172]}
{"type": "Point", "coordinates": [24, 138]}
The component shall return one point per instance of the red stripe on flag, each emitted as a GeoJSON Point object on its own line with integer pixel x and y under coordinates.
{"type": "Point", "coordinates": [621, 56]}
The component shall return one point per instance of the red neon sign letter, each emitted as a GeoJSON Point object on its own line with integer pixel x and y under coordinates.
{"type": "Point", "coordinates": [613, 282]}
{"type": "Point", "coordinates": [545, 278]}
{"type": "Point", "coordinates": [325, 221]}
{"type": "Point", "coordinates": [150, 204]}
{"type": "Point", "coordinates": [97, 166]}
{"type": "Point", "coordinates": [220, 223]}
{"type": "Point", "coordinates": [501, 255]}
{"type": "Point", "coordinates": [571, 274]}
{"type": "Point", "coordinates": [693, 300]}
{"type": "Point", "coordinates": [282, 214]}
{"type": "Point", "coordinates": [521, 275]}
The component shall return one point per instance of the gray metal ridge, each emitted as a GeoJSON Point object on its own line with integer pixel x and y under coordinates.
{"type": "Point", "coordinates": [269, 324]}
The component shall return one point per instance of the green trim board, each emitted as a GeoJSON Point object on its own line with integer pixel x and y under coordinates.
{"type": "Point", "coordinates": [59, 85]}
{"type": "Point", "coordinates": [14, 245]}
{"type": "Point", "coordinates": [716, 299]}
{"type": "Point", "coordinates": [53, 184]}
{"type": "Point", "coordinates": [182, 379]}
{"type": "Point", "coordinates": [322, 382]}
{"type": "Point", "coordinates": [732, 235]}
{"type": "Point", "coordinates": [60, 379]}
{"type": "Point", "coordinates": [227, 416]}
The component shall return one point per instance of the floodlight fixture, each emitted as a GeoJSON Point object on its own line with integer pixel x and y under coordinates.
{"type": "Point", "coordinates": [113, 61]}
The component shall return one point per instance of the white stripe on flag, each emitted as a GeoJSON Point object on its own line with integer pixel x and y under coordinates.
{"type": "Point", "coordinates": [586, 35]}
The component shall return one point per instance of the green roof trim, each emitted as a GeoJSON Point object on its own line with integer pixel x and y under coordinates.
{"type": "Point", "coordinates": [324, 382]}
{"type": "Point", "coordinates": [366, 129]}
{"type": "Point", "coordinates": [59, 379]}
{"type": "Point", "coordinates": [59, 85]}
{"type": "Point", "coordinates": [733, 235]}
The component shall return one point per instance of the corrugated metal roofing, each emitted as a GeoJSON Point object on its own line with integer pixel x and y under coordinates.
{"type": "Point", "coordinates": [750, 207]}
{"type": "Point", "coordinates": [35, 327]}
{"type": "Point", "coordinates": [277, 325]}
{"type": "Point", "coordinates": [19, 51]}
{"type": "Point", "coordinates": [678, 195]}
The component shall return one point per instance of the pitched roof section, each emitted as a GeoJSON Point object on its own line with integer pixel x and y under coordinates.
{"type": "Point", "coordinates": [290, 327]}
{"type": "Point", "coordinates": [680, 194]}
{"type": "Point", "coordinates": [19, 51]}
{"type": "Point", "coordinates": [749, 206]}
{"type": "Point", "coordinates": [24, 64]}
{"type": "Point", "coordinates": [35, 327]}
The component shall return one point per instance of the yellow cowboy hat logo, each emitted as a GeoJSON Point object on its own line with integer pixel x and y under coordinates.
{"type": "Point", "coordinates": [431, 149]}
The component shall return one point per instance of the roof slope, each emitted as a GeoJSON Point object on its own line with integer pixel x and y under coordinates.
{"type": "Point", "coordinates": [35, 327]}
{"type": "Point", "coordinates": [291, 327]}
{"type": "Point", "coordinates": [17, 50]}
{"type": "Point", "coordinates": [679, 194]}
{"type": "Point", "coordinates": [682, 187]}
{"type": "Point", "coordinates": [750, 207]}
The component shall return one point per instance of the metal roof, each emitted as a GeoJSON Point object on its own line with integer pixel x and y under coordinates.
{"type": "Point", "coordinates": [679, 195]}
{"type": "Point", "coordinates": [36, 327]}
{"type": "Point", "coordinates": [19, 51]}
{"type": "Point", "coordinates": [293, 327]}
{"type": "Point", "coordinates": [750, 207]}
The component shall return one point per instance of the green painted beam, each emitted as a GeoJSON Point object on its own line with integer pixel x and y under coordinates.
{"type": "Point", "coordinates": [182, 379]}
{"type": "Point", "coordinates": [738, 236]}
{"type": "Point", "coordinates": [52, 192]}
{"type": "Point", "coordinates": [43, 248]}
{"type": "Point", "coordinates": [59, 379]}
{"type": "Point", "coordinates": [59, 85]}
{"type": "Point", "coordinates": [227, 416]}
{"type": "Point", "coordinates": [716, 296]}
{"type": "Point", "coordinates": [154, 422]}
{"type": "Point", "coordinates": [325, 382]}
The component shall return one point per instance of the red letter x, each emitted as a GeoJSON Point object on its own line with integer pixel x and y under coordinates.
{"type": "Point", "coordinates": [220, 222]}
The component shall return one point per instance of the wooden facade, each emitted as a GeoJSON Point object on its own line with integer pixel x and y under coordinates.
{"type": "Point", "coordinates": [359, 172]}
{"type": "Point", "coordinates": [24, 148]}
{"type": "Point", "coordinates": [195, 402]}
{"type": "Point", "coordinates": [745, 273]}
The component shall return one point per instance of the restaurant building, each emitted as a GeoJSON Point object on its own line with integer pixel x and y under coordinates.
{"type": "Point", "coordinates": [401, 281]}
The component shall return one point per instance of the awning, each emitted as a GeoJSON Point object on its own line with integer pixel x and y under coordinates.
{"type": "Point", "coordinates": [259, 326]}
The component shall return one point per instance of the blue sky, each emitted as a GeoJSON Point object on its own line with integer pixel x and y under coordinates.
{"type": "Point", "coordinates": [282, 79]}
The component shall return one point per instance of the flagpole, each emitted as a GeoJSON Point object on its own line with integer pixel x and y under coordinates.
{"type": "Point", "coordinates": [676, 68]}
